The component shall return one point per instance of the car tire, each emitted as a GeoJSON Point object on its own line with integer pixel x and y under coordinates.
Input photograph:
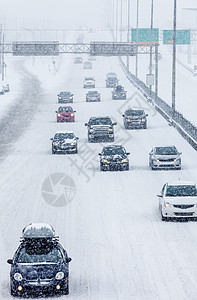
{"type": "Point", "coordinates": [13, 293]}
{"type": "Point", "coordinates": [76, 151]}
{"type": "Point", "coordinates": [127, 168]}
{"type": "Point", "coordinates": [145, 126]}
{"type": "Point", "coordinates": [53, 152]}
{"type": "Point", "coordinates": [111, 140]}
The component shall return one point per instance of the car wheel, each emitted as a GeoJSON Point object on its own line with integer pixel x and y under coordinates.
{"type": "Point", "coordinates": [53, 151]}
{"type": "Point", "coordinates": [126, 126]}
{"type": "Point", "coordinates": [179, 168]}
{"type": "Point", "coordinates": [127, 168]}
{"type": "Point", "coordinates": [76, 151]}
{"type": "Point", "coordinates": [163, 218]}
{"type": "Point", "coordinates": [145, 126]}
{"type": "Point", "coordinates": [111, 140]}
{"type": "Point", "coordinates": [13, 293]}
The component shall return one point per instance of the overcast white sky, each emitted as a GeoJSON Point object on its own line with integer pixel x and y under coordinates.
{"type": "Point", "coordinates": [71, 13]}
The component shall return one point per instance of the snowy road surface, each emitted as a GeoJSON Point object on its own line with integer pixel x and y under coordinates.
{"type": "Point", "coordinates": [112, 228]}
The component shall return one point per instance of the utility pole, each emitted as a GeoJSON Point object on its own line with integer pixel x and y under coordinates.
{"type": "Point", "coordinates": [174, 61]}
{"type": "Point", "coordinates": [116, 20]}
{"type": "Point", "coordinates": [121, 21]}
{"type": "Point", "coordinates": [3, 63]}
{"type": "Point", "coordinates": [151, 44]}
{"type": "Point", "coordinates": [137, 26]}
{"type": "Point", "coordinates": [128, 32]}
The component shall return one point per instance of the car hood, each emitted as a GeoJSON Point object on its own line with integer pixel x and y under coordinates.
{"type": "Point", "coordinates": [65, 113]}
{"type": "Point", "coordinates": [135, 117]}
{"type": "Point", "coordinates": [35, 271]}
{"type": "Point", "coordinates": [166, 156]}
{"type": "Point", "coordinates": [181, 200]}
{"type": "Point", "coordinates": [64, 141]}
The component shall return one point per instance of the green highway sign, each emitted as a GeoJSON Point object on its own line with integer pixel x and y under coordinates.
{"type": "Point", "coordinates": [144, 35]}
{"type": "Point", "coordinates": [182, 37]}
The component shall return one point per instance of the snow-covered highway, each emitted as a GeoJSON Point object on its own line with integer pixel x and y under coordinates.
{"type": "Point", "coordinates": [112, 228]}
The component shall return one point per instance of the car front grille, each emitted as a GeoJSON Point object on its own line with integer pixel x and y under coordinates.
{"type": "Point", "coordinates": [183, 214]}
{"type": "Point", "coordinates": [184, 206]}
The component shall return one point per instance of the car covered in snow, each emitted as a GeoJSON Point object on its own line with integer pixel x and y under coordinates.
{"type": "Point", "coordinates": [64, 142]}
{"type": "Point", "coordinates": [40, 265]}
{"type": "Point", "coordinates": [65, 114]}
{"type": "Point", "coordinates": [111, 80]}
{"type": "Point", "coordinates": [135, 118]}
{"type": "Point", "coordinates": [89, 82]}
{"type": "Point", "coordinates": [6, 87]}
{"type": "Point", "coordinates": [78, 60]}
{"type": "Point", "coordinates": [93, 96]}
{"type": "Point", "coordinates": [165, 157]}
{"type": "Point", "coordinates": [178, 200]}
{"type": "Point", "coordinates": [113, 158]}
{"type": "Point", "coordinates": [119, 93]}
{"type": "Point", "coordinates": [65, 97]}
{"type": "Point", "coordinates": [100, 129]}
{"type": "Point", "coordinates": [87, 65]}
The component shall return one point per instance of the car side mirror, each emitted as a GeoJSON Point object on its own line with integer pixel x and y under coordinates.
{"type": "Point", "coordinates": [99, 154]}
{"type": "Point", "coordinates": [128, 153]}
{"type": "Point", "coordinates": [115, 123]}
{"type": "Point", "coordinates": [56, 111]}
{"type": "Point", "coordinates": [123, 115]}
{"type": "Point", "coordinates": [180, 153]}
{"type": "Point", "coordinates": [86, 124]}
{"type": "Point", "coordinates": [58, 95]}
{"type": "Point", "coordinates": [77, 138]}
{"type": "Point", "coordinates": [68, 259]}
{"type": "Point", "coordinates": [146, 115]}
{"type": "Point", "coordinates": [51, 139]}
{"type": "Point", "coordinates": [74, 111]}
{"type": "Point", "coordinates": [10, 261]}
{"type": "Point", "coordinates": [160, 196]}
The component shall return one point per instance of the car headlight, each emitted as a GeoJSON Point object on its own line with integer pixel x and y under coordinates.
{"type": "Point", "coordinates": [59, 275]}
{"type": "Point", "coordinates": [59, 97]}
{"type": "Point", "coordinates": [128, 120]}
{"type": "Point", "coordinates": [91, 130]}
{"type": "Point", "coordinates": [18, 277]}
{"type": "Point", "coordinates": [105, 160]}
{"type": "Point", "coordinates": [166, 204]}
{"type": "Point", "coordinates": [56, 143]}
{"type": "Point", "coordinates": [143, 120]}
{"type": "Point", "coordinates": [124, 160]}
{"type": "Point", "coordinates": [71, 97]}
{"type": "Point", "coordinates": [72, 115]}
{"type": "Point", "coordinates": [73, 143]}
{"type": "Point", "coordinates": [123, 94]}
{"type": "Point", "coordinates": [59, 115]}
{"type": "Point", "coordinates": [114, 94]}
{"type": "Point", "coordinates": [110, 130]}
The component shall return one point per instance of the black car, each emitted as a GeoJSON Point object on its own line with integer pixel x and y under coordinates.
{"type": "Point", "coordinates": [111, 80]}
{"type": "Point", "coordinates": [64, 142]}
{"type": "Point", "coordinates": [119, 93]}
{"type": "Point", "coordinates": [100, 129]}
{"type": "Point", "coordinates": [93, 96]}
{"type": "Point", "coordinates": [40, 264]}
{"type": "Point", "coordinates": [65, 97]}
{"type": "Point", "coordinates": [135, 118]}
{"type": "Point", "coordinates": [114, 158]}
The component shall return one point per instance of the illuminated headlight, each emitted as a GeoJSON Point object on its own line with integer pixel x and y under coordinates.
{"type": "Point", "coordinates": [59, 115]}
{"type": "Point", "coordinates": [71, 97]}
{"type": "Point", "coordinates": [56, 143]}
{"type": "Point", "coordinates": [59, 97]}
{"type": "Point", "coordinates": [124, 160]}
{"type": "Point", "coordinates": [59, 275]}
{"type": "Point", "coordinates": [143, 120]}
{"type": "Point", "coordinates": [73, 143]}
{"type": "Point", "coordinates": [115, 95]}
{"type": "Point", "coordinates": [18, 277]}
{"type": "Point", "coordinates": [128, 120]}
{"type": "Point", "coordinates": [123, 94]}
{"type": "Point", "coordinates": [110, 130]}
{"type": "Point", "coordinates": [105, 160]}
{"type": "Point", "coordinates": [72, 115]}
{"type": "Point", "coordinates": [166, 204]}
{"type": "Point", "coordinates": [91, 130]}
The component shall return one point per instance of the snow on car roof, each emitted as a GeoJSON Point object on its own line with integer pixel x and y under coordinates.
{"type": "Point", "coordinates": [70, 131]}
{"type": "Point", "coordinates": [38, 230]}
{"type": "Point", "coordinates": [181, 183]}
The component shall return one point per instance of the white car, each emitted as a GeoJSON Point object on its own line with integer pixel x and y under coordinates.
{"type": "Point", "coordinates": [89, 82]}
{"type": "Point", "coordinates": [178, 200]}
{"type": "Point", "coordinates": [87, 65]}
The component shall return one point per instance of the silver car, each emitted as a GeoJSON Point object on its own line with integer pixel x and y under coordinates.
{"type": "Point", "coordinates": [166, 157]}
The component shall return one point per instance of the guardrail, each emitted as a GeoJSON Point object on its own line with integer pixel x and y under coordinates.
{"type": "Point", "coordinates": [175, 119]}
{"type": "Point", "coordinates": [187, 67]}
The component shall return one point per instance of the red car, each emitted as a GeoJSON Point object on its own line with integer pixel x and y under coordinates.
{"type": "Point", "coordinates": [65, 114]}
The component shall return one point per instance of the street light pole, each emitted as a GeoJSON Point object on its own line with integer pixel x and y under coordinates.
{"type": "Point", "coordinates": [174, 61]}
{"type": "Point", "coordinates": [121, 21]}
{"type": "Point", "coordinates": [128, 32]}
{"type": "Point", "coordinates": [151, 43]}
{"type": "Point", "coordinates": [137, 26]}
{"type": "Point", "coordinates": [116, 20]}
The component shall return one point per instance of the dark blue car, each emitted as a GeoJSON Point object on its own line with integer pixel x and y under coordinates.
{"type": "Point", "coordinates": [40, 264]}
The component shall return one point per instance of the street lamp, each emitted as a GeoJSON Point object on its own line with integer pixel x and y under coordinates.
{"type": "Point", "coordinates": [174, 61]}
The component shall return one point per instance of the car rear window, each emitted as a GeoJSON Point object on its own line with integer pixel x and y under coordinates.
{"type": "Point", "coordinates": [181, 191]}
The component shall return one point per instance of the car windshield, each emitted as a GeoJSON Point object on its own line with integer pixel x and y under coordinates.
{"type": "Point", "coordinates": [89, 78]}
{"type": "Point", "coordinates": [111, 75]}
{"type": "Point", "coordinates": [100, 121]}
{"type": "Point", "coordinates": [119, 88]}
{"type": "Point", "coordinates": [166, 151]}
{"type": "Point", "coordinates": [65, 109]}
{"type": "Point", "coordinates": [61, 136]}
{"type": "Point", "coordinates": [114, 151]}
{"type": "Point", "coordinates": [92, 93]}
{"type": "Point", "coordinates": [131, 112]}
{"type": "Point", "coordinates": [39, 252]}
{"type": "Point", "coordinates": [65, 93]}
{"type": "Point", "coordinates": [181, 191]}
